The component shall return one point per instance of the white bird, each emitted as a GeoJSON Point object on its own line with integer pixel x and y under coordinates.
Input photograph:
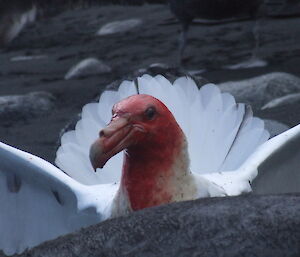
{"type": "Point", "coordinates": [225, 144]}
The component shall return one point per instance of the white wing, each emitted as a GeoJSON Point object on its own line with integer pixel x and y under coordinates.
{"type": "Point", "coordinates": [277, 163]}
{"type": "Point", "coordinates": [39, 202]}
{"type": "Point", "coordinates": [221, 134]}
{"type": "Point", "coordinates": [273, 168]}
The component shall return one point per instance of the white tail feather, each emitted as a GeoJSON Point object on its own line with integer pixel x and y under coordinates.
{"type": "Point", "coordinates": [221, 134]}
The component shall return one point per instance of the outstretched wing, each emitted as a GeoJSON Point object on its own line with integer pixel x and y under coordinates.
{"type": "Point", "coordinates": [272, 169]}
{"type": "Point", "coordinates": [39, 202]}
{"type": "Point", "coordinates": [278, 164]}
{"type": "Point", "coordinates": [221, 134]}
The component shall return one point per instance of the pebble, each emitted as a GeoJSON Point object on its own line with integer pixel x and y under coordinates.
{"type": "Point", "coordinates": [88, 67]}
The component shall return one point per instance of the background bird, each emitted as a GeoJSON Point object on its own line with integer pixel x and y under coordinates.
{"type": "Point", "coordinates": [186, 11]}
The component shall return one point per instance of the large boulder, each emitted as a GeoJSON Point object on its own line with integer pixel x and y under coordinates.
{"type": "Point", "coordinates": [274, 127]}
{"type": "Point", "coordinates": [233, 226]}
{"type": "Point", "coordinates": [260, 90]}
{"type": "Point", "coordinates": [21, 107]}
{"type": "Point", "coordinates": [290, 99]}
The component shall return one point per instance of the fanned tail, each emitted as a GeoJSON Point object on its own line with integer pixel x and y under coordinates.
{"type": "Point", "coordinates": [221, 134]}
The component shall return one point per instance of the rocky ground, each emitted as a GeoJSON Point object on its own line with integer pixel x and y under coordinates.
{"type": "Point", "coordinates": [52, 46]}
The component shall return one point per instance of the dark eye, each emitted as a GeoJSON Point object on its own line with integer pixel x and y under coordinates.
{"type": "Point", "coordinates": [150, 112]}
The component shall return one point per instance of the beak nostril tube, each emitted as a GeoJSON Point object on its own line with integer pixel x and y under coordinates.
{"type": "Point", "coordinates": [101, 133]}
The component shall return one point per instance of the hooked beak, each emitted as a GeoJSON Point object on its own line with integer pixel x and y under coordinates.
{"type": "Point", "coordinates": [117, 136]}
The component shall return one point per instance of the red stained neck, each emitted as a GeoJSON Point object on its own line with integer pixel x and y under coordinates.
{"type": "Point", "coordinates": [147, 169]}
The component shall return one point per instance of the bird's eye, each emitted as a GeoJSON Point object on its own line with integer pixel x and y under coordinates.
{"type": "Point", "coordinates": [150, 112]}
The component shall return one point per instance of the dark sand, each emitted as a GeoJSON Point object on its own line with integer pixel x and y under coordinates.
{"type": "Point", "coordinates": [70, 37]}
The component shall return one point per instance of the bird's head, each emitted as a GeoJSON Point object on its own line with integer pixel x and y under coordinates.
{"type": "Point", "coordinates": [138, 122]}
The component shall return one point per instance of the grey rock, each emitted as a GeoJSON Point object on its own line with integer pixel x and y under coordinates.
{"type": "Point", "coordinates": [248, 64]}
{"type": "Point", "coordinates": [274, 127]}
{"type": "Point", "coordinates": [22, 107]}
{"type": "Point", "coordinates": [87, 67]}
{"type": "Point", "coordinates": [171, 73]}
{"type": "Point", "coordinates": [119, 26]}
{"type": "Point", "coordinates": [156, 69]}
{"type": "Point", "coordinates": [27, 58]}
{"type": "Point", "coordinates": [283, 8]}
{"type": "Point", "coordinates": [282, 101]}
{"type": "Point", "coordinates": [230, 226]}
{"type": "Point", "coordinates": [196, 72]}
{"type": "Point", "coordinates": [14, 20]}
{"type": "Point", "coordinates": [260, 90]}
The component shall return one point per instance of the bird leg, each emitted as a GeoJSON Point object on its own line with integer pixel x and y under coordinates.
{"type": "Point", "coordinates": [259, 17]}
{"type": "Point", "coordinates": [182, 42]}
{"type": "Point", "coordinates": [256, 36]}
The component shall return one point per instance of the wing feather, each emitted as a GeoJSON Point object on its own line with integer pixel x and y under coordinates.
{"type": "Point", "coordinates": [275, 166]}
{"type": "Point", "coordinates": [39, 202]}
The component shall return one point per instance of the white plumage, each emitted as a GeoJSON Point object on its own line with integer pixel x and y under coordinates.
{"type": "Point", "coordinates": [221, 134]}
{"type": "Point", "coordinates": [40, 202]}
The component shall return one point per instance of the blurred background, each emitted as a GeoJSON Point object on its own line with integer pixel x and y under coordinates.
{"type": "Point", "coordinates": [56, 56]}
